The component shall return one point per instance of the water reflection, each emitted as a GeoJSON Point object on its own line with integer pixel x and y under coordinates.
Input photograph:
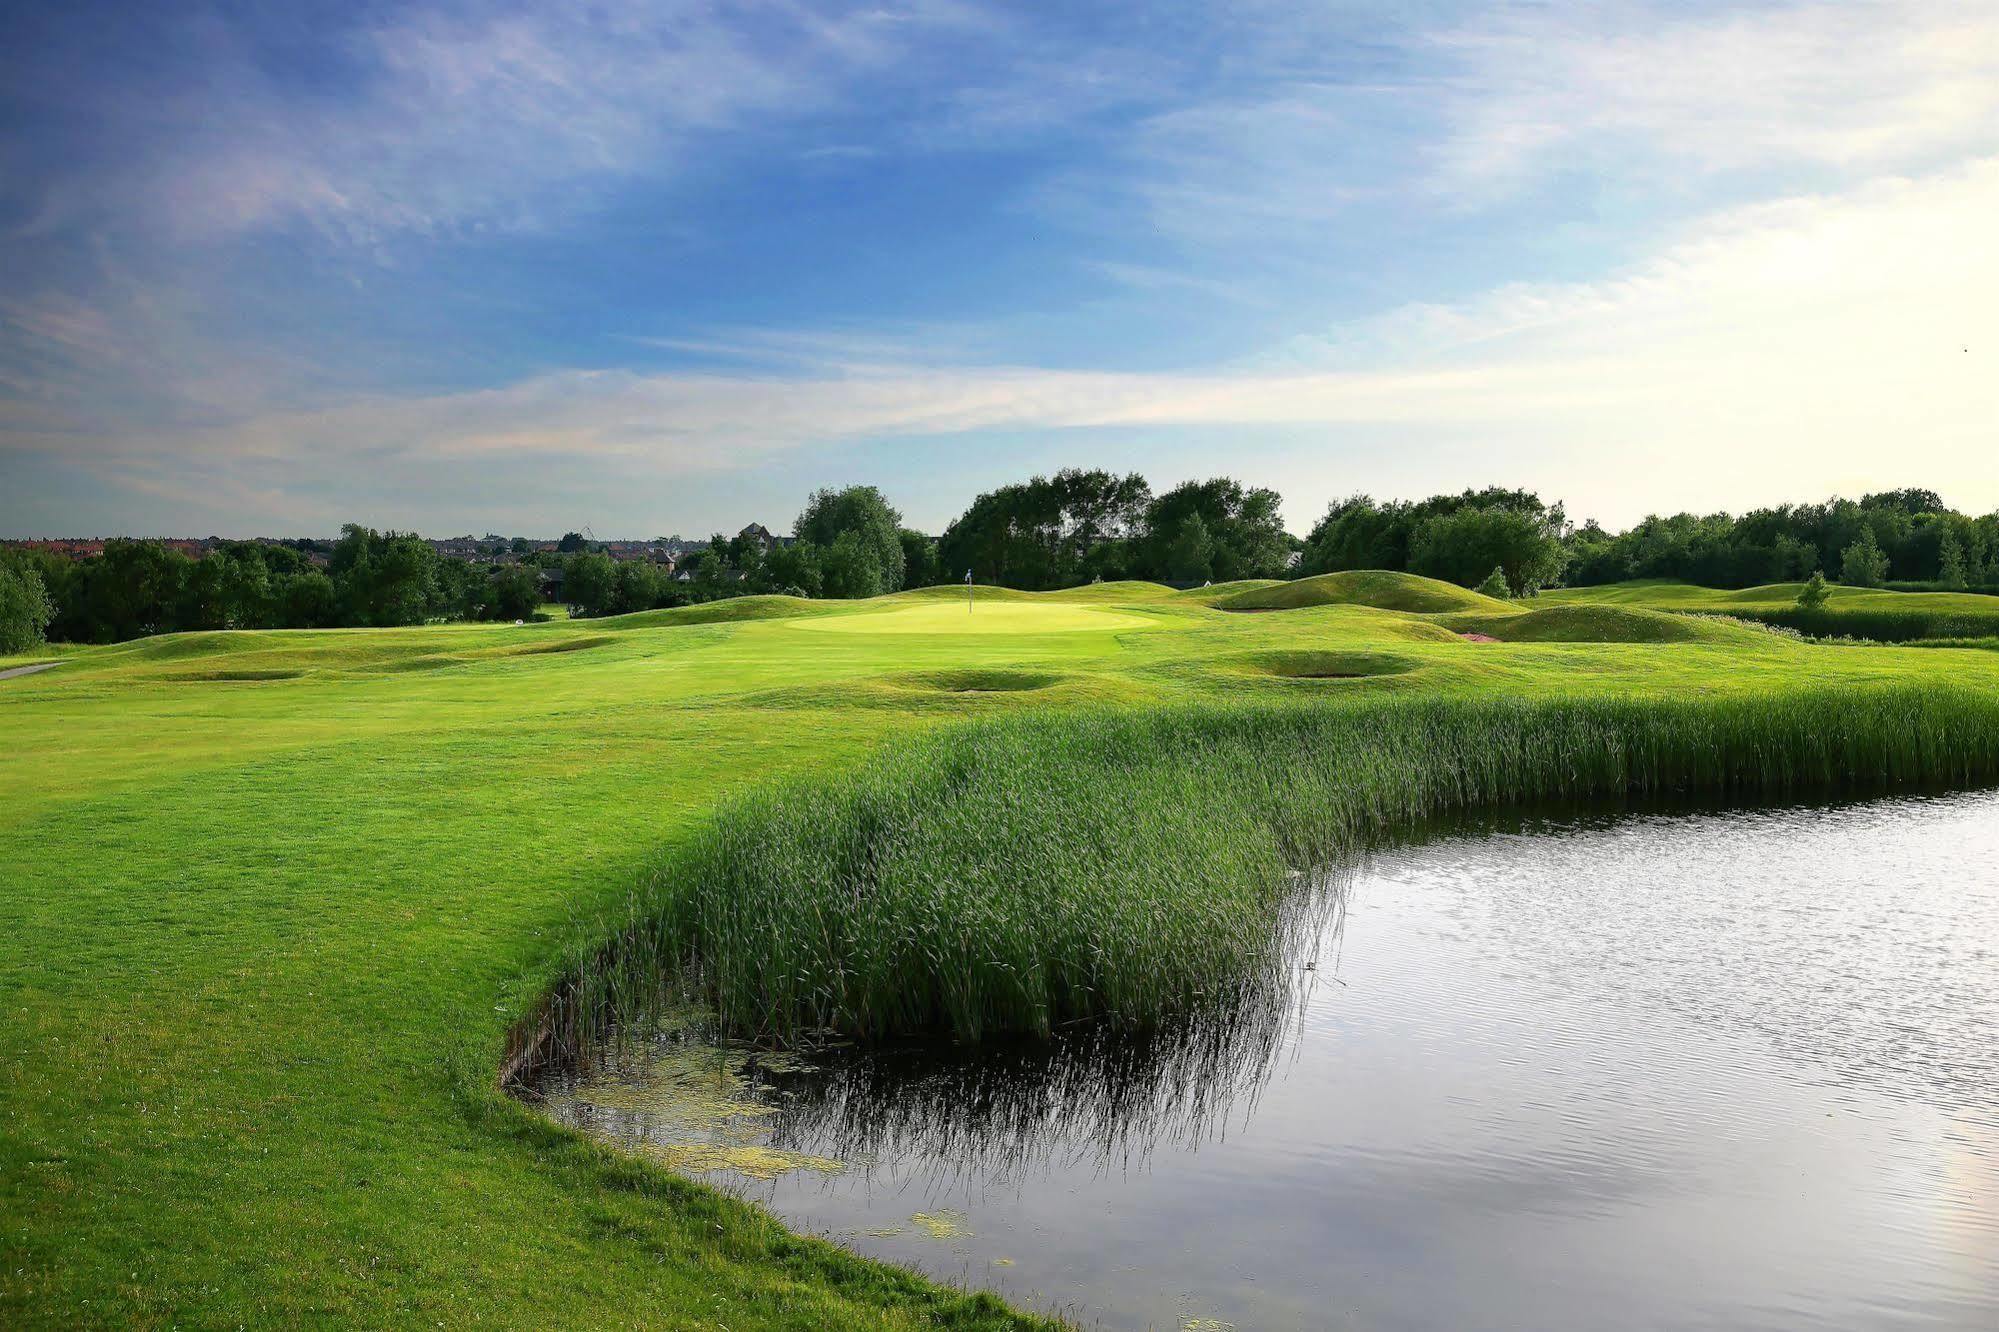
{"type": "Point", "coordinates": [1091, 1097]}
{"type": "Point", "coordinates": [1720, 1069]}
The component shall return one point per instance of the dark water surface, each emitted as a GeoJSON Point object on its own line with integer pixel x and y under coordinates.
{"type": "Point", "coordinates": [1722, 1070]}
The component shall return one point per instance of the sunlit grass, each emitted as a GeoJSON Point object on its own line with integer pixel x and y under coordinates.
{"type": "Point", "coordinates": [274, 902]}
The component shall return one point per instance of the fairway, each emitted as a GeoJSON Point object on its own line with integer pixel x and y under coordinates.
{"type": "Point", "coordinates": [952, 616]}
{"type": "Point", "coordinates": [276, 901]}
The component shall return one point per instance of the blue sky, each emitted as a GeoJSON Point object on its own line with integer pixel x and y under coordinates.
{"type": "Point", "coordinates": [665, 267]}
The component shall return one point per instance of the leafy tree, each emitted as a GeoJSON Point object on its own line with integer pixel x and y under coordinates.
{"type": "Point", "coordinates": [1814, 593]}
{"type": "Point", "coordinates": [852, 567]}
{"type": "Point", "coordinates": [1495, 585]}
{"type": "Point", "coordinates": [1358, 533]}
{"type": "Point", "coordinates": [308, 600]}
{"type": "Point", "coordinates": [920, 566]}
{"type": "Point", "coordinates": [1950, 562]}
{"type": "Point", "coordinates": [1047, 532]}
{"type": "Point", "coordinates": [635, 586]}
{"type": "Point", "coordinates": [25, 610]}
{"type": "Point", "coordinates": [1462, 544]}
{"type": "Point", "coordinates": [513, 593]}
{"type": "Point", "coordinates": [459, 590]}
{"type": "Point", "coordinates": [1863, 564]}
{"type": "Point", "coordinates": [133, 589]}
{"type": "Point", "coordinates": [1912, 501]}
{"type": "Point", "coordinates": [201, 598]}
{"type": "Point", "coordinates": [1243, 529]}
{"type": "Point", "coordinates": [794, 570]}
{"type": "Point", "coordinates": [383, 578]}
{"type": "Point", "coordinates": [859, 512]}
{"type": "Point", "coordinates": [589, 582]}
{"type": "Point", "coordinates": [1191, 558]}
{"type": "Point", "coordinates": [572, 543]}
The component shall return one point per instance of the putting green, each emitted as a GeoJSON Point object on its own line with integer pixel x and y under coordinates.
{"type": "Point", "coordinates": [992, 617]}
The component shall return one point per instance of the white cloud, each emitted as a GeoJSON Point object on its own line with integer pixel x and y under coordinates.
{"type": "Point", "coordinates": [486, 115]}
{"type": "Point", "coordinates": [1773, 352]}
{"type": "Point", "coordinates": [1649, 101]}
{"type": "Point", "coordinates": [1854, 86]}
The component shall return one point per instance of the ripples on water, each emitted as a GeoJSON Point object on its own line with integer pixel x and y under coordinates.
{"type": "Point", "coordinates": [1718, 1070]}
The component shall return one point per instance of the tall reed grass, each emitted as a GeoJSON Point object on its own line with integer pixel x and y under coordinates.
{"type": "Point", "coordinates": [1026, 872]}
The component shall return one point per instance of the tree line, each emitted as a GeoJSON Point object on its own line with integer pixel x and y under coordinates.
{"type": "Point", "coordinates": [137, 588]}
{"type": "Point", "coordinates": [1074, 527]}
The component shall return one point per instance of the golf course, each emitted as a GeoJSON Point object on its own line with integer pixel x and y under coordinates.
{"type": "Point", "coordinates": [279, 905]}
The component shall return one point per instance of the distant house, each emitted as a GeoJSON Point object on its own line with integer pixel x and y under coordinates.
{"type": "Point", "coordinates": [551, 583]}
{"type": "Point", "coordinates": [760, 534]}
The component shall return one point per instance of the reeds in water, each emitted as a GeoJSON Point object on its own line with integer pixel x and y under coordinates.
{"type": "Point", "coordinates": [1010, 876]}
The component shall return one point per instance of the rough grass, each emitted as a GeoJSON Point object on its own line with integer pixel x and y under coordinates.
{"type": "Point", "coordinates": [1850, 612]}
{"type": "Point", "coordinates": [266, 942]}
{"type": "Point", "coordinates": [1022, 874]}
{"type": "Point", "coordinates": [1378, 588]}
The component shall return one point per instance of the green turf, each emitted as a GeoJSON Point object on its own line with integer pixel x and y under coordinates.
{"type": "Point", "coordinates": [1362, 587]}
{"type": "Point", "coordinates": [1598, 624]}
{"type": "Point", "coordinates": [1852, 612]}
{"type": "Point", "coordinates": [274, 901]}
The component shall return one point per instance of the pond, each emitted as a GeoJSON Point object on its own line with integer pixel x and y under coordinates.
{"type": "Point", "coordinates": [1720, 1069]}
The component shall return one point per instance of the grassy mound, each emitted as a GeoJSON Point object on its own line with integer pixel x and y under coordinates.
{"type": "Point", "coordinates": [1216, 592]}
{"type": "Point", "coordinates": [1600, 624]}
{"type": "Point", "coordinates": [245, 675]}
{"type": "Point", "coordinates": [581, 643]}
{"type": "Point", "coordinates": [399, 665]}
{"type": "Point", "coordinates": [956, 592]}
{"type": "Point", "coordinates": [1851, 612]}
{"type": "Point", "coordinates": [981, 681]}
{"type": "Point", "coordinates": [1128, 867]}
{"type": "Point", "coordinates": [1003, 618]}
{"type": "Point", "coordinates": [197, 643]}
{"type": "Point", "coordinates": [1378, 588]}
{"type": "Point", "coordinates": [1885, 623]}
{"type": "Point", "coordinates": [720, 612]}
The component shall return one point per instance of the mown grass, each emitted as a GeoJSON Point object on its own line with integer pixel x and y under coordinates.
{"type": "Point", "coordinates": [268, 939]}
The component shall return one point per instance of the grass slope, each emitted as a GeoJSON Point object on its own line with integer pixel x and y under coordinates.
{"type": "Point", "coordinates": [1597, 624]}
{"type": "Point", "coordinates": [275, 902]}
{"type": "Point", "coordinates": [1853, 612]}
{"type": "Point", "coordinates": [1379, 588]}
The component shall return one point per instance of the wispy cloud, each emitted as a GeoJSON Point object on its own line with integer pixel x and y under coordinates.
{"type": "Point", "coordinates": [1630, 100]}
{"type": "Point", "coordinates": [1800, 201]}
{"type": "Point", "coordinates": [469, 115]}
{"type": "Point", "coordinates": [1864, 323]}
{"type": "Point", "coordinates": [1629, 89]}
